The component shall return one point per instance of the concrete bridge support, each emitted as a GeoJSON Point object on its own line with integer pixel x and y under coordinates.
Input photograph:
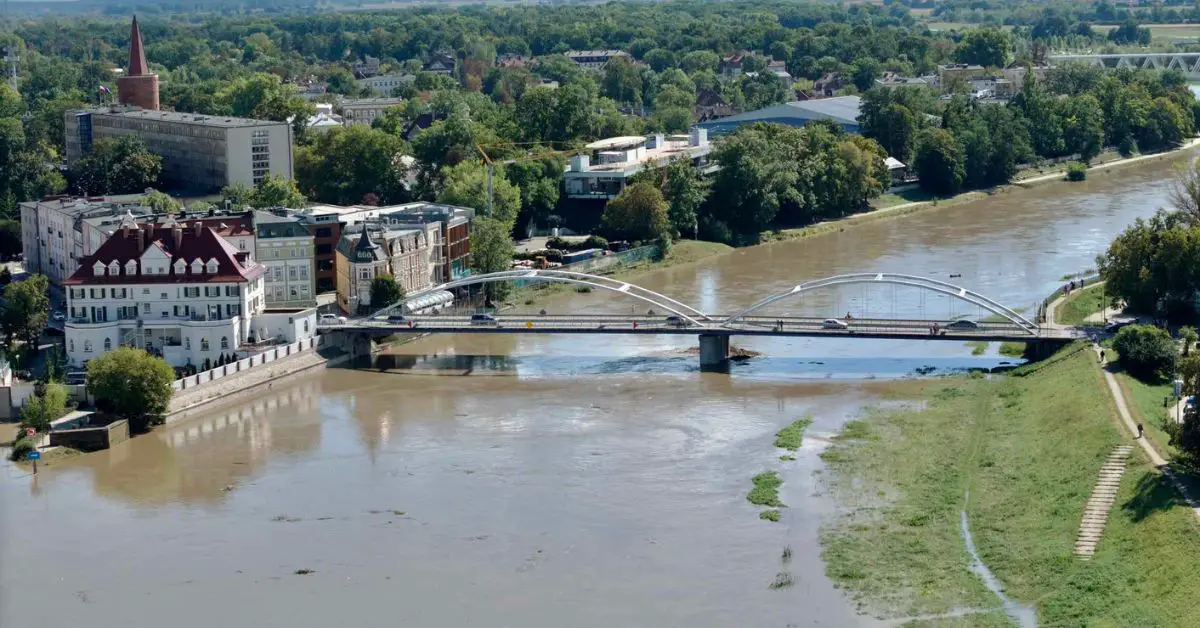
{"type": "Point", "coordinates": [354, 344]}
{"type": "Point", "coordinates": [1038, 350]}
{"type": "Point", "coordinates": [714, 352]}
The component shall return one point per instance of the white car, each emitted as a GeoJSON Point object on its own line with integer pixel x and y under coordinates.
{"type": "Point", "coordinates": [331, 319]}
{"type": "Point", "coordinates": [60, 316]}
{"type": "Point", "coordinates": [833, 323]}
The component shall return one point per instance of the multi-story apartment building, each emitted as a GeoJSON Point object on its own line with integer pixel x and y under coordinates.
{"type": "Point", "coordinates": [177, 289]}
{"type": "Point", "coordinates": [200, 153]}
{"type": "Point", "coordinates": [594, 59]}
{"type": "Point", "coordinates": [285, 246]}
{"type": "Point", "coordinates": [383, 85]}
{"type": "Point", "coordinates": [372, 250]}
{"type": "Point", "coordinates": [611, 163]}
{"type": "Point", "coordinates": [449, 233]}
{"type": "Point", "coordinates": [365, 110]}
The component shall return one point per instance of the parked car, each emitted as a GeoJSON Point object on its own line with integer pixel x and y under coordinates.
{"type": "Point", "coordinates": [60, 316]}
{"type": "Point", "coordinates": [963, 324]}
{"type": "Point", "coordinates": [833, 323]}
{"type": "Point", "coordinates": [1116, 326]}
{"type": "Point", "coordinates": [76, 377]}
{"type": "Point", "coordinates": [483, 319]}
{"type": "Point", "coordinates": [331, 319]}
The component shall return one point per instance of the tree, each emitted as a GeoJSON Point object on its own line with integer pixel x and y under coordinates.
{"type": "Point", "coordinates": [238, 195]}
{"type": "Point", "coordinates": [660, 59]}
{"type": "Point", "coordinates": [685, 188]}
{"type": "Point", "coordinates": [1083, 127]}
{"type": "Point", "coordinates": [1154, 265]}
{"type": "Point", "coordinates": [276, 191]}
{"type": "Point", "coordinates": [162, 203]}
{"type": "Point", "coordinates": [40, 409]}
{"type": "Point", "coordinates": [26, 310]}
{"type": "Point", "coordinates": [466, 185]}
{"type": "Point", "coordinates": [639, 212]}
{"type": "Point", "coordinates": [385, 292]}
{"type": "Point", "coordinates": [343, 165]}
{"type": "Point", "coordinates": [939, 162]}
{"type": "Point", "coordinates": [1146, 352]}
{"type": "Point", "coordinates": [1185, 195]}
{"type": "Point", "coordinates": [896, 130]}
{"type": "Point", "coordinates": [864, 71]}
{"type": "Point", "coordinates": [1130, 33]}
{"type": "Point", "coordinates": [10, 238]}
{"type": "Point", "coordinates": [757, 175]}
{"type": "Point", "coordinates": [539, 182]}
{"type": "Point", "coordinates": [698, 60]}
{"type": "Point", "coordinates": [117, 166]}
{"type": "Point", "coordinates": [988, 47]}
{"type": "Point", "coordinates": [491, 251]}
{"type": "Point", "coordinates": [1188, 338]}
{"type": "Point", "coordinates": [131, 384]}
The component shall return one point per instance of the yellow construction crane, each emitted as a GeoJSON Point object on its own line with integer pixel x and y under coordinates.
{"type": "Point", "coordinates": [491, 167]}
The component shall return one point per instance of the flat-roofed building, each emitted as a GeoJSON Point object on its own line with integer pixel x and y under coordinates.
{"type": "Point", "coordinates": [365, 110]}
{"type": "Point", "coordinates": [200, 153]}
{"type": "Point", "coordinates": [603, 172]}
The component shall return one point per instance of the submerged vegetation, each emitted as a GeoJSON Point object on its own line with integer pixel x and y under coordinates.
{"type": "Point", "coordinates": [792, 436]}
{"type": "Point", "coordinates": [766, 490]}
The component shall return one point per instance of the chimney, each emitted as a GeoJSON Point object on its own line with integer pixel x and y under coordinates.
{"type": "Point", "coordinates": [177, 235]}
{"type": "Point", "coordinates": [141, 240]}
{"type": "Point", "coordinates": [199, 225]}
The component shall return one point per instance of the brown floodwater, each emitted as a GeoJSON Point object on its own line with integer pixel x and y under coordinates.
{"type": "Point", "coordinates": [537, 480]}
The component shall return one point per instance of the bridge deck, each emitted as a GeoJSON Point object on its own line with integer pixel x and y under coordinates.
{"type": "Point", "coordinates": [717, 326]}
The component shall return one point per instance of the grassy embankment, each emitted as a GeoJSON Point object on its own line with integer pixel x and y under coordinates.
{"type": "Point", "coordinates": [1080, 304]}
{"type": "Point", "coordinates": [1029, 447]}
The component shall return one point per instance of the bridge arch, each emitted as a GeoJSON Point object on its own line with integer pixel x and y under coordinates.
{"type": "Point", "coordinates": [660, 301]}
{"type": "Point", "coordinates": [912, 281]}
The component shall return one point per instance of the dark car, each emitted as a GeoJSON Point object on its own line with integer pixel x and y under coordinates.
{"type": "Point", "coordinates": [397, 318]}
{"type": "Point", "coordinates": [963, 324]}
{"type": "Point", "coordinates": [676, 321]}
{"type": "Point", "coordinates": [483, 319]}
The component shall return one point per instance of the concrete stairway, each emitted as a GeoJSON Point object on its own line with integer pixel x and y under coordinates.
{"type": "Point", "coordinates": [1095, 515]}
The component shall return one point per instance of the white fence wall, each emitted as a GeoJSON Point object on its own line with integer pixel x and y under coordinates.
{"type": "Point", "coordinates": [246, 364]}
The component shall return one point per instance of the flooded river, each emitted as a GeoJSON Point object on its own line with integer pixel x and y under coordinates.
{"type": "Point", "coordinates": [532, 481]}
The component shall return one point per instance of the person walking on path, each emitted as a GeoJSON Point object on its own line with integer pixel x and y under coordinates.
{"type": "Point", "coordinates": [1102, 356]}
{"type": "Point", "coordinates": [1139, 430]}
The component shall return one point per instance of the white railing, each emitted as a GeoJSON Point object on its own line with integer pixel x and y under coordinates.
{"type": "Point", "coordinates": [245, 364]}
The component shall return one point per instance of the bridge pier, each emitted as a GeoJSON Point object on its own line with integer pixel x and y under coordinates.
{"type": "Point", "coordinates": [1038, 350]}
{"type": "Point", "coordinates": [714, 352]}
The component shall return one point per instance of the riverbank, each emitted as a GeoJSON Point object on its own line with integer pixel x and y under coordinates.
{"type": "Point", "coordinates": [893, 211]}
{"type": "Point", "coordinates": [1028, 447]}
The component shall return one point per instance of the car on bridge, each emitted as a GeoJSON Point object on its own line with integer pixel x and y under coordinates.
{"type": "Point", "coordinates": [331, 319]}
{"type": "Point", "coordinates": [483, 319]}
{"type": "Point", "coordinates": [676, 321]}
{"type": "Point", "coordinates": [396, 318]}
{"type": "Point", "coordinates": [833, 323]}
{"type": "Point", "coordinates": [963, 324]}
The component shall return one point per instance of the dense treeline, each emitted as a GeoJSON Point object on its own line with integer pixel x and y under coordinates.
{"type": "Point", "coordinates": [1076, 112]}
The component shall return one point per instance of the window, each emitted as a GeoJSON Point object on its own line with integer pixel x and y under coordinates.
{"type": "Point", "coordinates": [291, 272]}
{"type": "Point", "coordinates": [212, 266]}
{"type": "Point", "coordinates": [162, 295]}
{"type": "Point", "coordinates": [212, 291]}
{"type": "Point", "coordinates": [324, 249]}
{"type": "Point", "coordinates": [233, 309]}
{"type": "Point", "coordinates": [162, 270]}
{"type": "Point", "coordinates": [364, 273]}
{"type": "Point", "coordinates": [278, 293]}
{"type": "Point", "coordinates": [182, 310]}
{"type": "Point", "coordinates": [71, 345]}
{"type": "Point", "coordinates": [224, 343]}
{"type": "Point", "coordinates": [303, 272]}
{"type": "Point", "coordinates": [204, 344]}
{"type": "Point", "coordinates": [145, 291]}
{"type": "Point", "coordinates": [131, 267]}
{"type": "Point", "coordinates": [324, 232]}
{"type": "Point", "coordinates": [306, 325]}
{"type": "Point", "coordinates": [275, 253]}
{"type": "Point", "coordinates": [108, 344]}
{"type": "Point", "coordinates": [277, 273]}
{"type": "Point", "coordinates": [145, 308]}
{"type": "Point", "coordinates": [87, 346]}
{"type": "Point", "coordinates": [180, 267]}
{"type": "Point", "coordinates": [114, 268]}
{"type": "Point", "coordinates": [187, 343]}
{"type": "Point", "coordinates": [295, 294]}
{"type": "Point", "coordinates": [233, 291]}
{"type": "Point", "coordinates": [197, 267]}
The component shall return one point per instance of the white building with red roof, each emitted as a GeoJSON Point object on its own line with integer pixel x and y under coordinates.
{"type": "Point", "coordinates": [176, 289]}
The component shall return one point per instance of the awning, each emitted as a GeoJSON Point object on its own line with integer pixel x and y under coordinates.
{"type": "Point", "coordinates": [427, 301]}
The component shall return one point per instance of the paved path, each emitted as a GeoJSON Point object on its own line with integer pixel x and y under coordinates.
{"type": "Point", "coordinates": [1123, 409]}
{"type": "Point", "coordinates": [1095, 515]}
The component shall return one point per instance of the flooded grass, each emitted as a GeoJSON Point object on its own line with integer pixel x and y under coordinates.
{"type": "Point", "coordinates": [1029, 447]}
{"type": "Point", "coordinates": [1012, 349]}
{"type": "Point", "coordinates": [766, 490]}
{"type": "Point", "coordinates": [769, 515]}
{"type": "Point", "coordinates": [782, 580]}
{"type": "Point", "coordinates": [787, 458]}
{"type": "Point", "coordinates": [792, 436]}
{"type": "Point", "coordinates": [977, 347]}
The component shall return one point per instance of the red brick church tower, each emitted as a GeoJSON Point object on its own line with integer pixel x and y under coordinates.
{"type": "Point", "coordinates": [138, 87]}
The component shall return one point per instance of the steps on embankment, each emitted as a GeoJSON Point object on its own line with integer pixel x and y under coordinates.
{"type": "Point", "coordinates": [1095, 514]}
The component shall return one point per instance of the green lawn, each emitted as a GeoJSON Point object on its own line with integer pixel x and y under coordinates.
{"type": "Point", "coordinates": [1029, 446]}
{"type": "Point", "coordinates": [1080, 304]}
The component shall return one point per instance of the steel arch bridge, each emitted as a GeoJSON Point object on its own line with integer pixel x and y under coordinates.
{"type": "Point", "coordinates": [911, 281]}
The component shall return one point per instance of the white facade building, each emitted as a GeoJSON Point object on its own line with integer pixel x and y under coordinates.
{"type": "Point", "coordinates": [604, 172]}
{"type": "Point", "coordinates": [177, 290]}
{"type": "Point", "coordinates": [365, 110]}
{"type": "Point", "coordinates": [383, 85]}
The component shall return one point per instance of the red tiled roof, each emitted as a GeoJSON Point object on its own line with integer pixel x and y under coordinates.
{"type": "Point", "coordinates": [206, 245]}
{"type": "Point", "coordinates": [234, 225]}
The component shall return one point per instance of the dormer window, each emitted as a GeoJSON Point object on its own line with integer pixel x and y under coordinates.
{"type": "Point", "coordinates": [197, 267]}
{"type": "Point", "coordinates": [114, 268]}
{"type": "Point", "coordinates": [131, 268]}
{"type": "Point", "coordinates": [212, 266]}
{"type": "Point", "coordinates": [180, 267]}
{"type": "Point", "coordinates": [99, 269]}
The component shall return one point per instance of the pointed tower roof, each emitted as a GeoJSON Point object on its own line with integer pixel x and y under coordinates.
{"type": "Point", "coordinates": [137, 56]}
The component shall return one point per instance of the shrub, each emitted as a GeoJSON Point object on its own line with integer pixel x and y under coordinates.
{"type": "Point", "coordinates": [39, 410]}
{"type": "Point", "coordinates": [21, 449]}
{"type": "Point", "coordinates": [1146, 351]}
{"type": "Point", "coordinates": [594, 242]}
{"type": "Point", "coordinates": [1076, 171]}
